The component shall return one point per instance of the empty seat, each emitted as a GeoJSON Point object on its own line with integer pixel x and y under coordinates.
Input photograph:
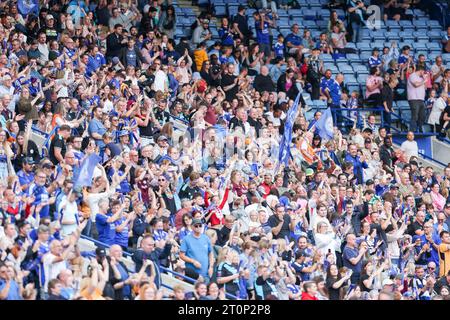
{"type": "Point", "coordinates": [220, 10]}
{"type": "Point", "coordinates": [309, 14]}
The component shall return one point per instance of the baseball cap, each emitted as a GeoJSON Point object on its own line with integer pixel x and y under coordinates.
{"type": "Point", "coordinates": [387, 282]}
{"type": "Point", "coordinates": [100, 252]}
{"type": "Point", "coordinates": [49, 16]}
{"type": "Point", "coordinates": [162, 138]}
{"type": "Point", "coordinates": [123, 133]}
{"type": "Point", "coordinates": [196, 221]}
{"type": "Point", "coordinates": [309, 172]}
{"type": "Point", "coordinates": [28, 160]}
{"type": "Point", "coordinates": [368, 140]}
{"type": "Point", "coordinates": [369, 182]}
{"type": "Point", "coordinates": [393, 186]}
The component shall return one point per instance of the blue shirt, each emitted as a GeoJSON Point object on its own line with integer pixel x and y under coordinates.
{"type": "Point", "coordinates": [335, 92]}
{"type": "Point", "coordinates": [434, 256]}
{"type": "Point", "coordinates": [358, 167]}
{"type": "Point", "coordinates": [41, 196]}
{"type": "Point", "coordinates": [25, 178]}
{"type": "Point", "coordinates": [325, 83]}
{"type": "Point", "coordinates": [278, 48]}
{"type": "Point", "coordinates": [348, 254]}
{"type": "Point", "coordinates": [262, 35]}
{"type": "Point", "coordinates": [106, 230]}
{"type": "Point", "coordinates": [14, 291]}
{"type": "Point", "coordinates": [226, 36]}
{"type": "Point", "coordinates": [198, 249]}
{"type": "Point", "coordinates": [374, 61]}
{"type": "Point", "coordinates": [294, 39]}
{"type": "Point", "coordinates": [121, 238]}
{"type": "Point", "coordinates": [96, 126]}
{"type": "Point", "coordinates": [403, 59]}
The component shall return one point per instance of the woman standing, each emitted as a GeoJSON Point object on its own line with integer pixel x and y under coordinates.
{"type": "Point", "coordinates": [168, 22]}
{"type": "Point", "coordinates": [6, 155]}
{"type": "Point", "coordinates": [335, 281]}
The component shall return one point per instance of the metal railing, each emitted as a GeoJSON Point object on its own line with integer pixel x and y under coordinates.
{"type": "Point", "coordinates": [163, 269]}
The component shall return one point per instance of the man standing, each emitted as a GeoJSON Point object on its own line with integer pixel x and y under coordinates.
{"type": "Point", "coordinates": [281, 223]}
{"type": "Point", "coordinates": [352, 257]}
{"type": "Point", "coordinates": [410, 147]}
{"type": "Point", "coordinates": [241, 20]}
{"type": "Point", "coordinates": [115, 42]}
{"type": "Point", "coordinates": [359, 163]}
{"type": "Point", "coordinates": [96, 128]}
{"type": "Point", "coordinates": [196, 251]}
{"type": "Point", "coordinates": [416, 98]}
{"type": "Point", "coordinates": [444, 254]}
{"type": "Point", "coordinates": [58, 146]}
{"type": "Point", "coordinates": [314, 73]}
{"type": "Point", "coordinates": [262, 26]}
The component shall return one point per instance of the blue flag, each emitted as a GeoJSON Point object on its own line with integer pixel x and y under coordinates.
{"type": "Point", "coordinates": [27, 7]}
{"type": "Point", "coordinates": [86, 172]}
{"type": "Point", "coordinates": [324, 125]}
{"type": "Point", "coordinates": [285, 144]}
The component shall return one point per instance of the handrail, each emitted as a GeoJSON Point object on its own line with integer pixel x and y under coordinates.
{"type": "Point", "coordinates": [166, 270]}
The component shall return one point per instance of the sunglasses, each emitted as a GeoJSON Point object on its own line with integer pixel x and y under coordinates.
{"type": "Point", "coordinates": [197, 226]}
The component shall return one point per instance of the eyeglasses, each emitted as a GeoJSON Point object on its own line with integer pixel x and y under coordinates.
{"type": "Point", "coordinates": [161, 180]}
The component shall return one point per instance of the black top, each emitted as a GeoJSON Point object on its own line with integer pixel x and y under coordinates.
{"type": "Point", "coordinates": [263, 83]}
{"type": "Point", "coordinates": [57, 142]}
{"type": "Point", "coordinates": [333, 293]}
{"type": "Point", "coordinates": [114, 45]}
{"type": "Point", "coordinates": [227, 80]}
{"type": "Point", "coordinates": [285, 230]}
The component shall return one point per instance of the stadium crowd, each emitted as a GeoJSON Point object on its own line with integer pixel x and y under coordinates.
{"type": "Point", "coordinates": [187, 156]}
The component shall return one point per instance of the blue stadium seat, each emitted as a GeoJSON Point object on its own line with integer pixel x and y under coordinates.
{"type": "Point", "coordinates": [363, 45]}
{"type": "Point", "coordinates": [406, 24]}
{"type": "Point", "coordinates": [360, 68]}
{"type": "Point", "coordinates": [406, 36]}
{"type": "Point", "coordinates": [350, 78]}
{"type": "Point", "coordinates": [309, 14]}
{"type": "Point", "coordinates": [353, 87]}
{"type": "Point", "coordinates": [435, 35]}
{"type": "Point", "coordinates": [420, 24]}
{"type": "Point", "coordinates": [419, 13]}
{"type": "Point", "coordinates": [220, 10]}
{"type": "Point", "coordinates": [432, 46]}
{"type": "Point", "coordinates": [378, 45]}
{"type": "Point", "coordinates": [320, 104]}
{"type": "Point", "coordinates": [326, 57]}
{"type": "Point", "coordinates": [434, 23]}
{"type": "Point", "coordinates": [446, 57]}
{"type": "Point", "coordinates": [309, 24]}
{"type": "Point", "coordinates": [362, 79]}
{"type": "Point", "coordinates": [283, 22]}
{"type": "Point", "coordinates": [365, 55]}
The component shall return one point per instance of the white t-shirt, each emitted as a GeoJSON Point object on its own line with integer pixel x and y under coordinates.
{"type": "Point", "coordinates": [410, 148]}
{"type": "Point", "coordinates": [160, 81]}
{"type": "Point", "coordinates": [51, 270]}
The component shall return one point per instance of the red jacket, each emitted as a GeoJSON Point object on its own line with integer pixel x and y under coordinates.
{"type": "Point", "coordinates": [307, 296]}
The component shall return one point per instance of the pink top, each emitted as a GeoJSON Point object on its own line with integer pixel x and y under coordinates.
{"type": "Point", "coordinates": [372, 81]}
{"type": "Point", "coordinates": [438, 200]}
{"type": "Point", "coordinates": [415, 93]}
